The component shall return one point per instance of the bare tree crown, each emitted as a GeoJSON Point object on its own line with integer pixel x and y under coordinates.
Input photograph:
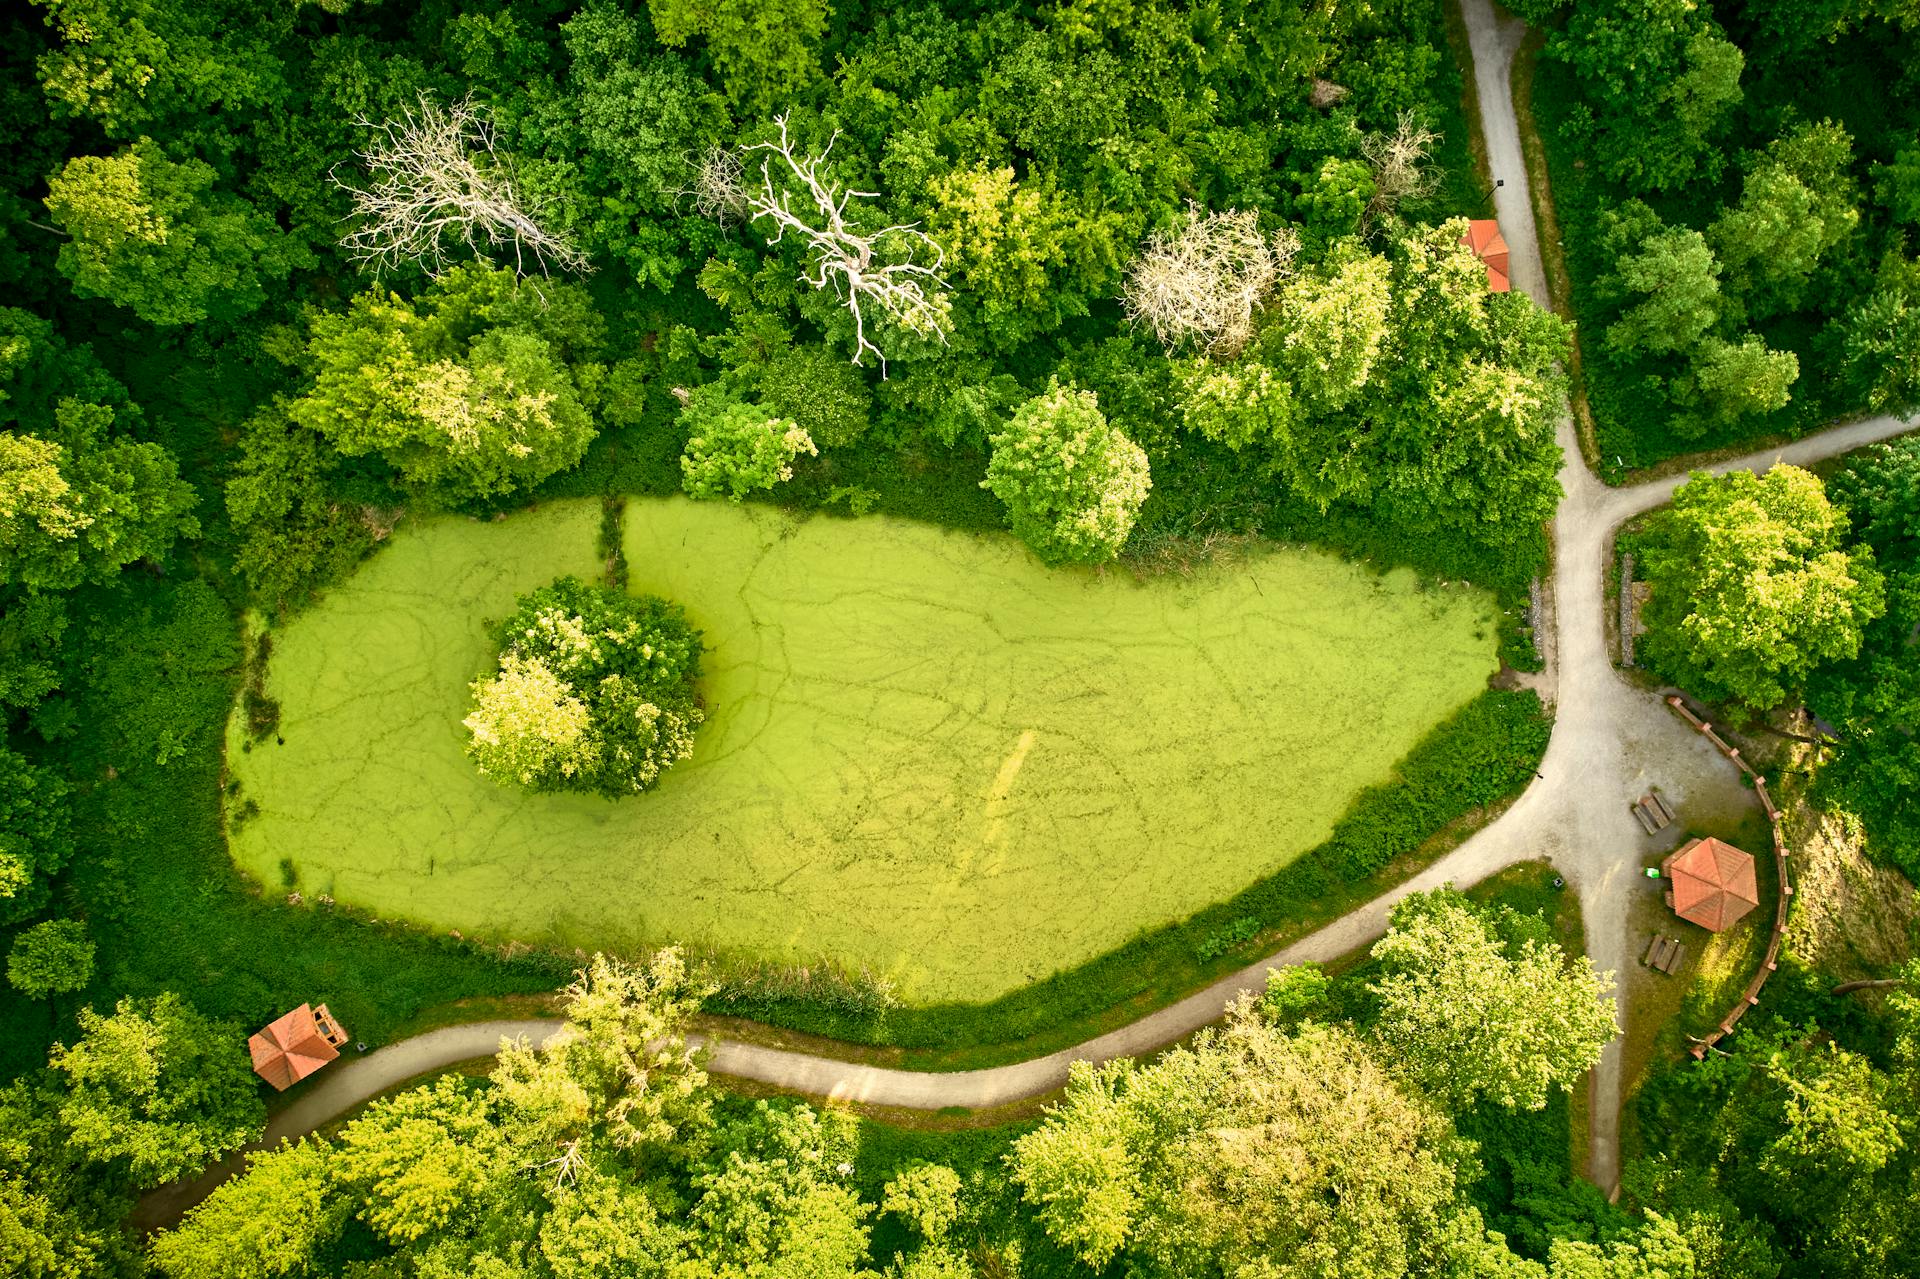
{"type": "Point", "coordinates": [1399, 163]}
{"type": "Point", "coordinates": [440, 182]}
{"type": "Point", "coordinates": [719, 189]}
{"type": "Point", "coordinates": [1202, 281]}
{"type": "Point", "coordinates": [879, 269]}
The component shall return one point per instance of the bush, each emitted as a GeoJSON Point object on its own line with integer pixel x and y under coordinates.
{"type": "Point", "coordinates": [1485, 753]}
{"type": "Point", "coordinates": [820, 392]}
{"type": "Point", "coordinates": [1221, 940]}
{"type": "Point", "coordinates": [1072, 483]}
{"type": "Point", "coordinates": [595, 692]}
{"type": "Point", "coordinates": [53, 958]}
{"type": "Point", "coordinates": [735, 448]}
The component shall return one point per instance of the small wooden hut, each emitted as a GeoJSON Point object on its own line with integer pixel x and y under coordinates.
{"type": "Point", "coordinates": [296, 1045]}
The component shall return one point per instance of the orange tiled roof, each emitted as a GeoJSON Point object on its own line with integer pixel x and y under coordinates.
{"type": "Point", "coordinates": [1713, 883]}
{"type": "Point", "coordinates": [1484, 238]}
{"type": "Point", "coordinates": [291, 1048]}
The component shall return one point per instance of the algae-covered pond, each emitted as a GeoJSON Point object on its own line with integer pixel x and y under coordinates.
{"type": "Point", "coordinates": [926, 754]}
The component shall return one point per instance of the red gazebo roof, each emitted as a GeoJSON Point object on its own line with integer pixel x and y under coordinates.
{"type": "Point", "coordinates": [1713, 883]}
{"type": "Point", "coordinates": [1484, 238]}
{"type": "Point", "coordinates": [295, 1046]}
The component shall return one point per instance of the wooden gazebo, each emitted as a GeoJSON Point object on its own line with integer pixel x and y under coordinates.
{"type": "Point", "coordinates": [296, 1045]}
{"type": "Point", "coordinates": [1713, 883]}
{"type": "Point", "coordinates": [1484, 238]}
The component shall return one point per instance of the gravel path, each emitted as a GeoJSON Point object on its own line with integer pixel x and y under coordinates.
{"type": "Point", "coordinates": [1610, 743]}
{"type": "Point", "coordinates": [1610, 740]}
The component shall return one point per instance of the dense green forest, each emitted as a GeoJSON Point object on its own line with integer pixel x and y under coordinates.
{"type": "Point", "coordinates": [234, 365]}
{"type": "Point", "coordinates": [1131, 279]}
{"type": "Point", "coordinates": [1738, 185]}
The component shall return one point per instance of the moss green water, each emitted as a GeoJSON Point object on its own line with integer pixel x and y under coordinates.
{"type": "Point", "coordinates": [926, 755]}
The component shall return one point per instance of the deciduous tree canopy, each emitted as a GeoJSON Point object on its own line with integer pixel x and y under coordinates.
{"type": "Point", "coordinates": [1477, 1017]}
{"type": "Point", "coordinates": [595, 692]}
{"type": "Point", "coordinates": [1752, 587]}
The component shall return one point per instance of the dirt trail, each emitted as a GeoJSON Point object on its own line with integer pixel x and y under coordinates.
{"type": "Point", "coordinates": [1610, 743]}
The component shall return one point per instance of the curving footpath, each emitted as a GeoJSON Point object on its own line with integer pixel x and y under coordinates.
{"type": "Point", "coordinates": [1610, 741]}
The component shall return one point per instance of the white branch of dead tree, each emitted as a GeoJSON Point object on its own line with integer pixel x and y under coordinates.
{"type": "Point", "coordinates": [865, 269]}
{"type": "Point", "coordinates": [564, 1168]}
{"type": "Point", "coordinates": [440, 182]}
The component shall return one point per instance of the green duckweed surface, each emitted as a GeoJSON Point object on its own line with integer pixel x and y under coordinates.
{"type": "Point", "coordinates": [926, 755]}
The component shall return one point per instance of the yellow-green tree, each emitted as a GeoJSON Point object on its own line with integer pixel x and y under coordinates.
{"type": "Point", "coordinates": [1473, 1018]}
{"type": "Point", "coordinates": [1072, 483]}
{"type": "Point", "coordinates": [1753, 587]}
{"type": "Point", "coordinates": [159, 1086]}
{"type": "Point", "coordinates": [153, 235]}
{"type": "Point", "coordinates": [1254, 1152]}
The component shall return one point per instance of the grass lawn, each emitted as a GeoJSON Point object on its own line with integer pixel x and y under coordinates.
{"type": "Point", "coordinates": [926, 755]}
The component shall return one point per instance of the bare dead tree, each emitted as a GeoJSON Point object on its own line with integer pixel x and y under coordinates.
{"type": "Point", "coordinates": [1399, 163]}
{"type": "Point", "coordinates": [878, 269]}
{"type": "Point", "coordinates": [1202, 281]}
{"type": "Point", "coordinates": [440, 181]}
{"type": "Point", "coordinates": [719, 185]}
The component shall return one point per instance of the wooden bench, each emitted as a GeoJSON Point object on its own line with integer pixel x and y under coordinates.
{"type": "Point", "coordinates": [1674, 957]}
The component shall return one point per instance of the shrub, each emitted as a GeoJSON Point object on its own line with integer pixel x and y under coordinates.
{"type": "Point", "coordinates": [1072, 483]}
{"type": "Point", "coordinates": [735, 448]}
{"type": "Point", "coordinates": [51, 959]}
{"type": "Point", "coordinates": [1485, 754]}
{"type": "Point", "coordinates": [1221, 940]}
{"type": "Point", "coordinates": [820, 392]}
{"type": "Point", "coordinates": [594, 693]}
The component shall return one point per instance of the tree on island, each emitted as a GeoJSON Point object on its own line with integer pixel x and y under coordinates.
{"type": "Point", "coordinates": [594, 692]}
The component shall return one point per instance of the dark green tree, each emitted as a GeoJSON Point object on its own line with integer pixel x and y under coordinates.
{"type": "Point", "coordinates": [153, 235]}
{"type": "Point", "coordinates": [1662, 80]}
{"type": "Point", "coordinates": [766, 53]}
{"type": "Point", "coordinates": [1873, 701]}
{"type": "Point", "coordinates": [619, 143]}
{"type": "Point", "coordinates": [35, 836]}
{"type": "Point", "coordinates": [1796, 206]}
{"type": "Point", "coordinates": [133, 65]}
